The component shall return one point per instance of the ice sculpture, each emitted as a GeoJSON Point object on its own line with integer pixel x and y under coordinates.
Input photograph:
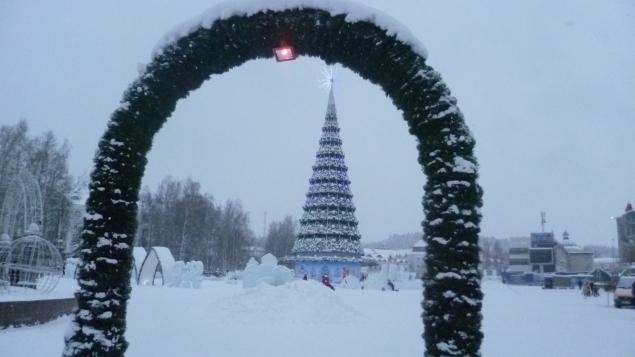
{"type": "Point", "coordinates": [187, 275]}
{"type": "Point", "coordinates": [268, 272]}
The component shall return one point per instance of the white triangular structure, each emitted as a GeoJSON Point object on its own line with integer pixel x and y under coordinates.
{"type": "Point", "coordinates": [138, 255]}
{"type": "Point", "coordinates": [159, 259]}
{"type": "Point", "coordinates": [420, 244]}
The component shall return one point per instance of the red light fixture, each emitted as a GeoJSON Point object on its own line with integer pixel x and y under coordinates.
{"type": "Point", "coordinates": [284, 53]}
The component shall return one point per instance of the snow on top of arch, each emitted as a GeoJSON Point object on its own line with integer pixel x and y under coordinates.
{"type": "Point", "coordinates": [354, 12]}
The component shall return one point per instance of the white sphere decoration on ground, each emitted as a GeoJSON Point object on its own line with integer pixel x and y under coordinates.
{"type": "Point", "coordinates": [32, 264]}
{"type": "Point", "coordinates": [268, 272]}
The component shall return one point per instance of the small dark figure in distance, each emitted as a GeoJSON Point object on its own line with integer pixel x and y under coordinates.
{"type": "Point", "coordinates": [304, 277]}
{"type": "Point", "coordinates": [594, 289]}
{"type": "Point", "coordinates": [327, 282]}
{"type": "Point", "coordinates": [579, 284]}
{"type": "Point", "coordinates": [392, 286]}
{"type": "Point", "coordinates": [633, 293]}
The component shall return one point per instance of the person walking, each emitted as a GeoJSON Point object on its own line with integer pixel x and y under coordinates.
{"type": "Point", "coordinates": [633, 294]}
{"type": "Point", "coordinates": [593, 290]}
{"type": "Point", "coordinates": [579, 284]}
{"type": "Point", "coordinates": [392, 286]}
{"type": "Point", "coordinates": [585, 290]}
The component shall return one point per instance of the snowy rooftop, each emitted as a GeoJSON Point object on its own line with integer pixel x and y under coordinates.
{"type": "Point", "coordinates": [420, 243]}
{"type": "Point", "coordinates": [354, 12]}
{"type": "Point", "coordinates": [385, 254]}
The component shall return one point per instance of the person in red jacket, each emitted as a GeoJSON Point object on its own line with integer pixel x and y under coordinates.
{"type": "Point", "coordinates": [327, 282]}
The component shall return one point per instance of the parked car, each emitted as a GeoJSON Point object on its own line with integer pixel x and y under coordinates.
{"type": "Point", "coordinates": [623, 294]}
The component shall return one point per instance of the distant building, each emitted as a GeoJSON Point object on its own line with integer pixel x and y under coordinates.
{"type": "Point", "coordinates": [577, 259]}
{"type": "Point", "coordinates": [607, 263]}
{"type": "Point", "coordinates": [519, 254]}
{"type": "Point", "coordinates": [416, 258]}
{"type": "Point", "coordinates": [412, 260]}
{"type": "Point", "coordinates": [386, 256]}
{"type": "Point", "coordinates": [626, 235]}
{"type": "Point", "coordinates": [541, 253]}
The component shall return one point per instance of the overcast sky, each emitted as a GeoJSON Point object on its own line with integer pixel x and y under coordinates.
{"type": "Point", "coordinates": [547, 87]}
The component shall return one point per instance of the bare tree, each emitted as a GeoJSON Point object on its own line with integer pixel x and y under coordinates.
{"type": "Point", "coordinates": [188, 222]}
{"type": "Point", "coordinates": [13, 142]}
{"type": "Point", "coordinates": [281, 236]}
{"type": "Point", "coordinates": [47, 160]}
{"type": "Point", "coordinates": [486, 254]}
{"type": "Point", "coordinates": [234, 237]}
{"type": "Point", "coordinates": [500, 257]}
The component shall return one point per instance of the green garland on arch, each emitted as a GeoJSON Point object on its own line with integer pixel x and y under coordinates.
{"type": "Point", "coordinates": [452, 198]}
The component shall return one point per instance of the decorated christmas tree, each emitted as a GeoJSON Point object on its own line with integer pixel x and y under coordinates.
{"type": "Point", "coordinates": [328, 238]}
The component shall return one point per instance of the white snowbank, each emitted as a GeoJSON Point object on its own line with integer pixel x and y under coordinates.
{"type": "Point", "coordinates": [354, 12]}
{"type": "Point", "coordinates": [185, 322]}
{"type": "Point", "coordinates": [301, 302]}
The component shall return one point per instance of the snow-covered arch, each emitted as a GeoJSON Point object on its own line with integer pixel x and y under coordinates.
{"type": "Point", "coordinates": [139, 255]}
{"type": "Point", "coordinates": [158, 260]}
{"type": "Point", "coordinates": [364, 40]}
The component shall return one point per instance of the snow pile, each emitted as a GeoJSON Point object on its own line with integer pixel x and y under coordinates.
{"type": "Point", "coordinates": [350, 282]}
{"type": "Point", "coordinates": [268, 272]}
{"type": "Point", "coordinates": [354, 13]}
{"type": "Point", "coordinates": [233, 276]}
{"type": "Point", "coordinates": [70, 267]}
{"type": "Point", "coordinates": [298, 302]}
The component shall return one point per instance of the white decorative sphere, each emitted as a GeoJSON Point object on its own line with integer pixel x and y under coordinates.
{"type": "Point", "coordinates": [32, 264]}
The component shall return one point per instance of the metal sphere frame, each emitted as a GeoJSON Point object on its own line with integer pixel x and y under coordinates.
{"type": "Point", "coordinates": [32, 264]}
{"type": "Point", "coordinates": [23, 201]}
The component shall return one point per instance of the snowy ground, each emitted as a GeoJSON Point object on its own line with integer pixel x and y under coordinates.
{"type": "Point", "coordinates": [64, 289]}
{"type": "Point", "coordinates": [307, 319]}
